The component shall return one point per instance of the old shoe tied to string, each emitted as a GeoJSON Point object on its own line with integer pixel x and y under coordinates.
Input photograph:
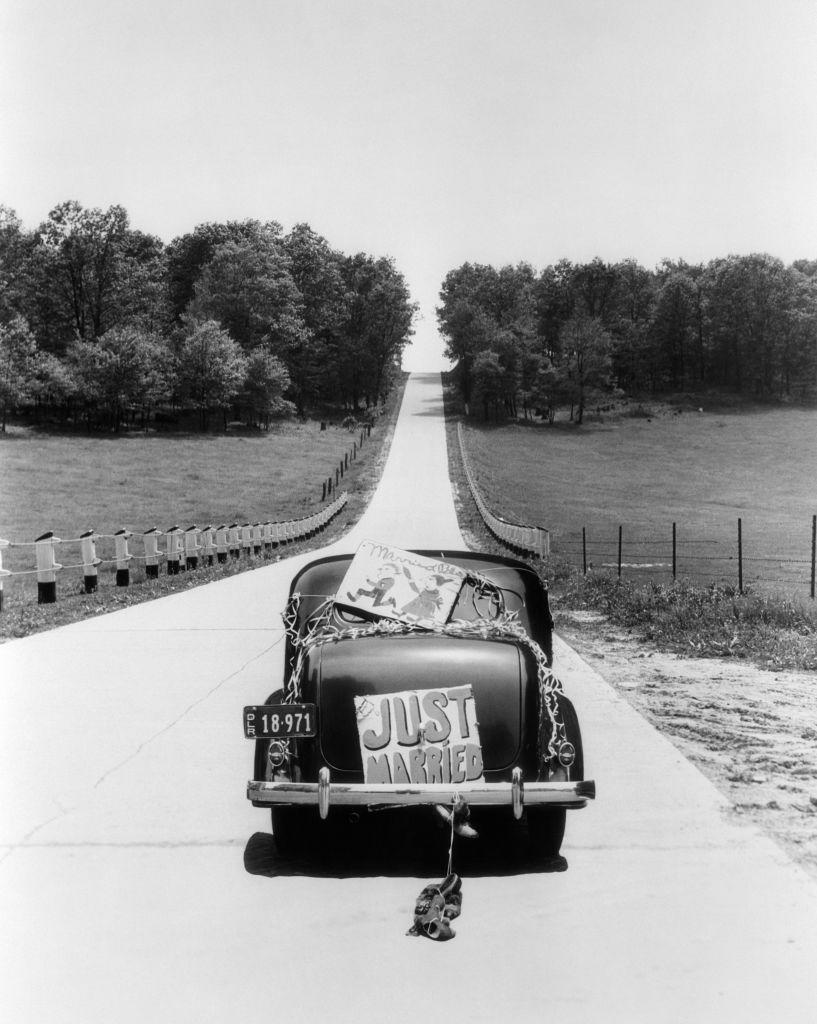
{"type": "Point", "coordinates": [436, 906]}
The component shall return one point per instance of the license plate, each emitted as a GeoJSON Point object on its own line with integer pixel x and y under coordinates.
{"type": "Point", "coordinates": [282, 721]}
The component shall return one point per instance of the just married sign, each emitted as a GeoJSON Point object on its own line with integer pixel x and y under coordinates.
{"type": "Point", "coordinates": [419, 736]}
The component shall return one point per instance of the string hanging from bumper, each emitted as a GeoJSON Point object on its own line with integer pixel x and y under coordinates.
{"type": "Point", "coordinates": [439, 902]}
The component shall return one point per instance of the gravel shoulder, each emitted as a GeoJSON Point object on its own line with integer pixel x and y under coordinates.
{"type": "Point", "coordinates": [752, 732]}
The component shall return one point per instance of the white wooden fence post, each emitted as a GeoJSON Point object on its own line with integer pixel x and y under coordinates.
{"type": "Point", "coordinates": [46, 568]}
{"type": "Point", "coordinates": [123, 558]}
{"type": "Point", "coordinates": [3, 572]}
{"type": "Point", "coordinates": [235, 543]}
{"type": "Point", "coordinates": [222, 543]}
{"type": "Point", "coordinates": [172, 551]}
{"type": "Point", "coordinates": [191, 547]}
{"type": "Point", "coordinates": [246, 539]}
{"type": "Point", "coordinates": [89, 561]}
{"type": "Point", "coordinates": [151, 541]}
{"type": "Point", "coordinates": [207, 544]}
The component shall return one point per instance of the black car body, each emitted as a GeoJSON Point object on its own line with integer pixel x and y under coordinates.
{"type": "Point", "coordinates": [492, 656]}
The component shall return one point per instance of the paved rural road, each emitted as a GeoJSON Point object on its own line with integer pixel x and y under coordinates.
{"type": "Point", "coordinates": [123, 892]}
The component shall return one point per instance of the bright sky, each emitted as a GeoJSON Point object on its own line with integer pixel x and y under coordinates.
{"type": "Point", "coordinates": [434, 131]}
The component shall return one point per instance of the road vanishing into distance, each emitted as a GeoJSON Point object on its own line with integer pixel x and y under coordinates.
{"type": "Point", "coordinates": [124, 895]}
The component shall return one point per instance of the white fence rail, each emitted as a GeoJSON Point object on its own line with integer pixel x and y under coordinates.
{"type": "Point", "coordinates": [184, 549]}
{"type": "Point", "coordinates": [533, 539]}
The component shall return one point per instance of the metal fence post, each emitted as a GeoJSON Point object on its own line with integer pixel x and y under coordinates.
{"type": "Point", "coordinates": [813, 552]}
{"type": "Point", "coordinates": [584, 550]}
{"type": "Point", "coordinates": [620, 531]}
{"type": "Point", "coordinates": [674, 552]}
{"type": "Point", "coordinates": [740, 555]}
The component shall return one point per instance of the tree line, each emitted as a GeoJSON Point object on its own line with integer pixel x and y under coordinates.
{"type": "Point", "coordinates": [104, 323]}
{"type": "Point", "coordinates": [563, 337]}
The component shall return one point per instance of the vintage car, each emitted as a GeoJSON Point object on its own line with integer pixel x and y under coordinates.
{"type": "Point", "coordinates": [424, 681]}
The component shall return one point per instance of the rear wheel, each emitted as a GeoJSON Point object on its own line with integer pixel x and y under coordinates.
{"type": "Point", "coordinates": [291, 828]}
{"type": "Point", "coordinates": [546, 825]}
{"type": "Point", "coordinates": [290, 825]}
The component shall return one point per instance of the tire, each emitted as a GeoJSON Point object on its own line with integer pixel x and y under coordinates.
{"type": "Point", "coordinates": [546, 825]}
{"type": "Point", "coordinates": [290, 825]}
{"type": "Point", "coordinates": [292, 828]}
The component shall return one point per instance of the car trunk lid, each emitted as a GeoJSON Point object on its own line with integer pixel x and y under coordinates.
{"type": "Point", "coordinates": [377, 666]}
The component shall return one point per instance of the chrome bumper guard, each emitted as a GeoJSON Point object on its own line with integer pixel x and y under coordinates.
{"type": "Point", "coordinates": [515, 794]}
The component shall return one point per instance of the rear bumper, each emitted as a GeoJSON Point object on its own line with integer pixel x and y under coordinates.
{"type": "Point", "coordinates": [516, 794]}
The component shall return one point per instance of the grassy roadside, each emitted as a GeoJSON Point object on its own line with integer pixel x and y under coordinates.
{"type": "Point", "coordinates": [770, 630]}
{"type": "Point", "coordinates": [276, 477]}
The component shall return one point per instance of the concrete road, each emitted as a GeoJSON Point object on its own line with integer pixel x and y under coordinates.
{"type": "Point", "coordinates": [123, 891]}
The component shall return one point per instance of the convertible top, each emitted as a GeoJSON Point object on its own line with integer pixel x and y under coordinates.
{"type": "Point", "coordinates": [521, 589]}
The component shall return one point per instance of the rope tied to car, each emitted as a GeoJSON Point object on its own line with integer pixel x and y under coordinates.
{"type": "Point", "coordinates": [505, 626]}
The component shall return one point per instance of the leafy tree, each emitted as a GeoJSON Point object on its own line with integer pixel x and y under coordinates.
{"type": "Point", "coordinates": [375, 330]}
{"type": "Point", "coordinates": [629, 320]}
{"type": "Point", "coordinates": [266, 382]}
{"type": "Point", "coordinates": [673, 332]}
{"type": "Point", "coordinates": [248, 289]}
{"type": "Point", "coordinates": [317, 271]}
{"type": "Point", "coordinates": [141, 297]}
{"type": "Point", "coordinates": [748, 299]}
{"type": "Point", "coordinates": [212, 367]}
{"type": "Point", "coordinates": [53, 383]}
{"type": "Point", "coordinates": [81, 250]}
{"type": "Point", "coordinates": [18, 353]}
{"type": "Point", "coordinates": [488, 381]}
{"type": "Point", "coordinates": [468, 331]}
{"type": "Point", "coordinates": [304, 358]}
{"type": "Point", "coordinates": [188, 254]}
{"type": "Point", "coordinates": [548, 389]}
{"type": "Point", "coordinates": [586, 348]}
{"type": "Point", "coordinates": [126, 368]}
{"type": "Point", "coordinates": [12, 255]}
{"type": "Point", "coordinates": [798, 342]}
{"type": "Point", "coordinates": [594, 285]}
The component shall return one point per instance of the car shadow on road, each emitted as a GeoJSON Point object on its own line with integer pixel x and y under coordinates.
{"type": "Point", "coordinates": [396, 845]}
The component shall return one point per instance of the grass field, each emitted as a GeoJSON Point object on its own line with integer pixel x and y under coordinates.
{"type": "Point", "coordinates": [69, 484]}
{"type": "Point", "coordinates": [701, 470]}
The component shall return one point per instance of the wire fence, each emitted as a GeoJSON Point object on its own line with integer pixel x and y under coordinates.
{"type": "Point", "coordinates": [760, 557]}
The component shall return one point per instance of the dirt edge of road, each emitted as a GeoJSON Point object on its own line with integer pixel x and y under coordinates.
{"type": "Point", "coordinates": [752, 732]}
